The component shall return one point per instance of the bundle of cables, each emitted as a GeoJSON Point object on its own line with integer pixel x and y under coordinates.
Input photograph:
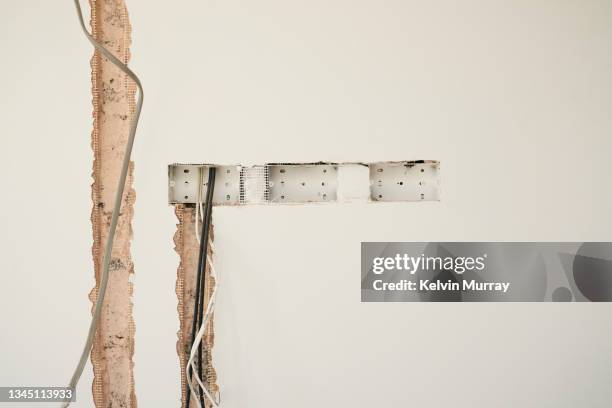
{"type": "Point", "coordinates": [201, 317]}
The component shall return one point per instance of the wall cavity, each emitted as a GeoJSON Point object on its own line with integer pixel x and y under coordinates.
{"type": "Point", "coordinates": [187, 247]}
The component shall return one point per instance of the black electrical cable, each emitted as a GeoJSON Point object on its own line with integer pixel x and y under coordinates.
{"type": "Point", "coordinates": [198, 307]}
{"type": "Point", "coordinates": [207, 222]}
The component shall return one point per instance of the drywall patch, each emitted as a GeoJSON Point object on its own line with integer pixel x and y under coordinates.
{"type": "Point", "coordinates": [350, 182]}
{"type": "Point", "coordinates": [113, 107]}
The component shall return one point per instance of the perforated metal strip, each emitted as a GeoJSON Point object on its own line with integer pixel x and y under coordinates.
{"type": "Point", "coordinates": [290, 183]}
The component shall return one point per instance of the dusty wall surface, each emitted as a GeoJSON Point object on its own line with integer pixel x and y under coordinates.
{"type": "Point", "coordinates": [113, 102]}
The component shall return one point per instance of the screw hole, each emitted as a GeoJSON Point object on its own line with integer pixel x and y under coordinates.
{"type": "Point", "coordinates": [186, 197]}
{"type": "Point", "coordinates": [401, 183]}
{"type": "Point", "coordinates": [422, 170]}
{"type": "Point", "coordinates": [186, 171]}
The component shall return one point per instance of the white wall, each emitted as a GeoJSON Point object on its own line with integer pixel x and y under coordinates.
{"type": "Point", "coordinates": [512, 96]}
{"type": "Point", "coordinates": [46, 271]}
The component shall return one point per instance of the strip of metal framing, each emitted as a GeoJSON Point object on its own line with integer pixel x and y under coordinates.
{"type": "Point", "coordinates": [295, 183]}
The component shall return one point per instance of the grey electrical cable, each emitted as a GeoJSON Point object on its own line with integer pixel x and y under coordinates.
{"type": "Point", "coordinates": [117, 207]}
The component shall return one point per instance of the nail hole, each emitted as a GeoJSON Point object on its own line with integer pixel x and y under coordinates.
{"type": "Point", "coordinates": [186, 197]}
{"type": "Point", "coordinates": [422, 170]}
{"type": "Point", "coordinates": [186, 171]}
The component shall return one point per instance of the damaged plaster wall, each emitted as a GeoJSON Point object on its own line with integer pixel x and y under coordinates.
{"type": "Point", "coordinates": [512, 97]}
{"type": "Point", "coordinates": [187, 248]}
{"type": "Point", "coordinates": [113, 103]}
{"type": "Point", "coordinates": [47, 238]}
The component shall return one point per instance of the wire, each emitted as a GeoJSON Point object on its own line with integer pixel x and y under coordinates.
{"type": "Point", "coordinates": [199, 206]}
{"type": "Point", "coordinates": [200, 278]}
{"type": "Point", "coordinates": [118, 197]}
{"type": "Point", "coordinates": [198, 341]}
{"type": "Point", "coordinates": [207, 221]}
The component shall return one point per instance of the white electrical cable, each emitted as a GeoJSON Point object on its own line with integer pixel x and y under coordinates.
{"type": "Point", "coordinates": [198, 339]}
{"type": "Point", "coordinates": [117, 206]}
{"type": "Point", "coordinates": [208, 314]}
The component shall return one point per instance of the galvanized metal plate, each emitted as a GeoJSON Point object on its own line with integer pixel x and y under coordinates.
{"type": "Point", "coordinates": [306, 183]}
{"type": "Point", "coordinates": [404, 181]}
{"type": "Point", "coordinates": [186, 179]}
{"type": "Point", "coordinates": [303, 183]}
